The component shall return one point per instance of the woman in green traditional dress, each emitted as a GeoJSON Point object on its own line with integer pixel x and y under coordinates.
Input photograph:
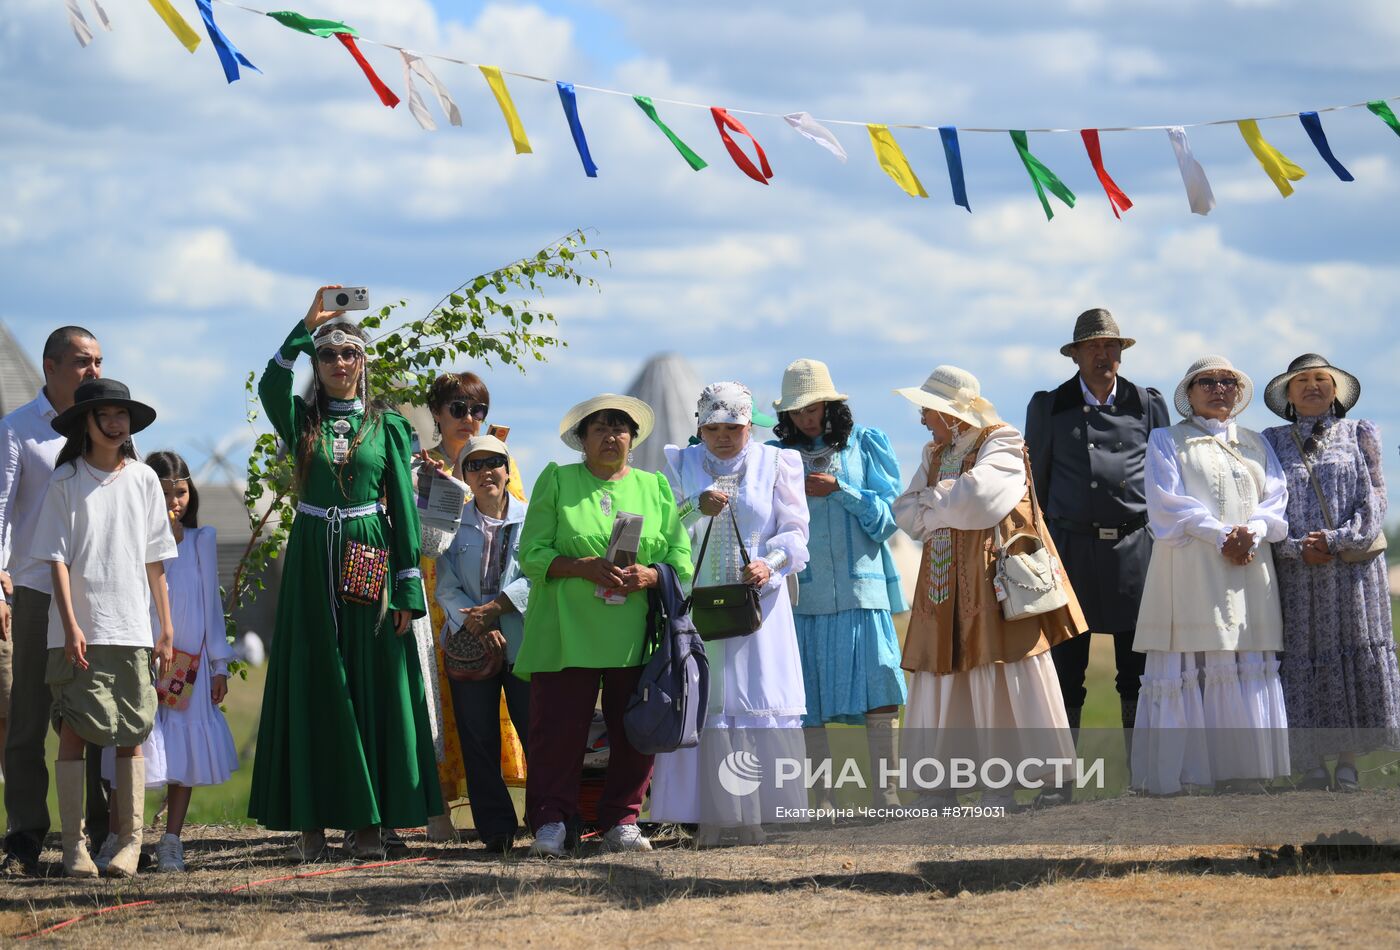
{"type": "Point", "coordinates": [344, 740]}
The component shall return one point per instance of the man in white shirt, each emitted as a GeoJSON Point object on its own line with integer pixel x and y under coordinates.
{"type": "Point", "coordinates": [28, 448]}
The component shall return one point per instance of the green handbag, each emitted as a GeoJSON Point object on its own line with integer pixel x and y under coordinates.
{"type": "Point", "coordinates": [722, 611]}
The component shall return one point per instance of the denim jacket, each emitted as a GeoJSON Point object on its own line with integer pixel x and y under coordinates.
{"type": "Point", "coordinates": [459, 573]}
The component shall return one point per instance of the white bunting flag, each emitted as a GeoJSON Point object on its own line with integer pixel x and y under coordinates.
{"type": "Point", "coordinates": [807, 127]}
{"type": "Point", "coordinates": [80, 25]}
{"type": "Point", "coordinates": [413, 63]}
{"type": "Point", "coordinates": [1193, 176]}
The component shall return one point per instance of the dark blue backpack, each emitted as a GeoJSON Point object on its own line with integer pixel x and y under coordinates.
{"type": "Point", "coordinates": [667, 711]}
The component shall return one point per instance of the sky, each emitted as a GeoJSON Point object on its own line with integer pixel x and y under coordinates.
{"type": "Point", "coordinates": [187, 221]}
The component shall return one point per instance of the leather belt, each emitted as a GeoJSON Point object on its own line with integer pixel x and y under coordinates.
{"type": "Point", "coordinates": [1104, 532]}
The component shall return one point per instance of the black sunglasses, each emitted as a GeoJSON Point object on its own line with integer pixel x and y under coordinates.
{"type": "Point", "coordinates": [1311, 442]}
{"type": "Point", "coordinates": [1226, 383]}
{"type": "Point", "coordinates": [460, 409]}
{"type": "Point", "coordinates": [329, 355]}
{"type": "Point", "coordinates": [491, 461]}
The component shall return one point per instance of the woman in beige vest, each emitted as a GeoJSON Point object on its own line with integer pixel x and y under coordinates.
{"type": "Point", "coordinates": [1211, 708]}
{"type": "Point", "coordinates": [982, 687]}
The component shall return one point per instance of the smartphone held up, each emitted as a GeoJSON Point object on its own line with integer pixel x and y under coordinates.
{"type": "Point", "coordinates": [345, 298]}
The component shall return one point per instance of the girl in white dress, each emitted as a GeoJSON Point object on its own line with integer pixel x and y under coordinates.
{"type": "Point", "coordinates": [757, 698]}
{"type": "Point", "coordinates": [1211, 709]}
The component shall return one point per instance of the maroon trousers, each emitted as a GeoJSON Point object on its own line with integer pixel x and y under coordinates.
{"type": "Point", "coordinates": [561, 709]}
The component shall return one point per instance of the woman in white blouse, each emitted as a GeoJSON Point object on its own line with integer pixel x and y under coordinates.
{"type": "Point", "coordinates": [756, 697]}
{"type": "Point", "coordinates": [1211, 708]}
{"type": "Point", "coordinates": [982, 687]}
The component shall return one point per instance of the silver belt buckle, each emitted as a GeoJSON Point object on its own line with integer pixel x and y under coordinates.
{"type": "Point", "coordinates": [1108, 534]}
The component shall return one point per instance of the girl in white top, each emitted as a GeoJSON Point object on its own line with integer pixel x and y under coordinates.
{"type": "Point", "coordinates": [1211, 708]}
{"type": "Point", "coordinates": [756, 697]}
{"type": "Point", "coordinates": [103, 528]}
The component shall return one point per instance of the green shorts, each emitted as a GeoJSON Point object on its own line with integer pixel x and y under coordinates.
{"type": "Point", "coordinates": [112, 702]}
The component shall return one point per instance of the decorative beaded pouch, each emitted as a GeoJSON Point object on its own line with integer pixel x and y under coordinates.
{"type": "Point", "coordinates": [362, 573]}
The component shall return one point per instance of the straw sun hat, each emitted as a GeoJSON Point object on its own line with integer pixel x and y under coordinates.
{"type": "Point", "coordinates": [1276, 393]}
{"type": "Point", "coordinates": [806, 382]}
{"type": "Point", "coordinates": [1096, 324]}
{"type": "Point", "coordinates": [639, 411]}
{"type": "Point", "coordinates": [954, 392]}
{"type": "Point", "coordinates": [1204, 365]}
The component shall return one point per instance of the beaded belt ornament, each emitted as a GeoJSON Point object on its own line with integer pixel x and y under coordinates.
{"type": "Point", "coordinates": [175, 688]}
{"type": "Point", "coordinates": [362, 573]}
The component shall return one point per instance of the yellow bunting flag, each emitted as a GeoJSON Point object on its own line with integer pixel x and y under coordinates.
{"type": "Point", "coordinates": [892, 160]}
{"type": "Point", "coordinates": [182, 30]}
{"type": "Point", "coordinates": [497, 83]}
{"type": "Point", "coordinates": [1276, 164]}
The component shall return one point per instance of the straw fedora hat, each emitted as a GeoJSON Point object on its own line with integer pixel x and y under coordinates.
{"type": "Point", "coordinates": [91, 394]}
{"type": "Point", "coordinates": [1096, 324]}
{"type": "Point", "coordinates": [1276, 393]}
{"type": "Point", "coordinates": [806, 382]}
{"type": "Point", "coordinates": [1204, 365]}
{"type": "Point", "coordinates": [954, 392]}
{"type": "Point", "coordinates": [639, 411]}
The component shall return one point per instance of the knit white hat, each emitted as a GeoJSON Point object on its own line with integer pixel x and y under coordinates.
{"type": "Point", "coordinates": [1205, 364]}
{"type": "Point", "coordinates": [806, 382]}
{"type": "Point", "coordinates": [638, 411]}
{"type": "Point", "coordinates": [954, 392]}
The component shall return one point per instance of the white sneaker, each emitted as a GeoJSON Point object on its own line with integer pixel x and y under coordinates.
{"type": "Point", "coordinates": [549, 840]}
{"type": "Point", "coordinates": [109, 849]}
{"type": "Point", "coordinates": [170, 854]}
{"type": "Point", "coordinates": [626, 838]}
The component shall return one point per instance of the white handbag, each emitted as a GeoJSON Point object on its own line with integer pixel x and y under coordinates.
{"type": "Point", "coordinates": [1031, 582]}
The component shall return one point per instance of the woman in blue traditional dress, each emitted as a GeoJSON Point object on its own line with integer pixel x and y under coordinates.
{"type": "Point", "coordinates": [850, 652]}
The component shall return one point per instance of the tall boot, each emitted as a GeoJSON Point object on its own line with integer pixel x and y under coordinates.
{"type": "Point", "coordinates": [818, 751]}
{"type": "Point", "coordinates": [1128, 711]}
{"type": "Point", "coordinates": [71, 776]}
{"type": "Point", "coordinates": [879, 735]}
{"type": "Point", "coordinates": [1063, 794]}
{"type": "Point", "coordinates": [129, 790]}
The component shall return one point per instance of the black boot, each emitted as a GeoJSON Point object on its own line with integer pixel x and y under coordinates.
{"type": "Point", "coordinates": [1128, 711]}
{"type": "Point", "coordinates": [1062, 794]}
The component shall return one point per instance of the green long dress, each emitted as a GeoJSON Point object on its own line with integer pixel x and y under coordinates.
{"type": "Point", "coordinates": [344, 740]}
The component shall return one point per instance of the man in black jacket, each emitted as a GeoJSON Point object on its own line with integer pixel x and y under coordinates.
{"type": "Point", "coordinates": [1088, 445]}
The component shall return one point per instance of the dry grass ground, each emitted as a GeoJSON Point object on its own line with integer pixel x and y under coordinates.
{"type": "Point", "coordinates": [892, 884]}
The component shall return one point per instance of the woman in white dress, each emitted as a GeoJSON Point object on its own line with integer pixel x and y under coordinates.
{"type": "Point", "coordinates": [757, 698]}
{"type": "Point", "coordinates": [1211, 710]}
{"type": "Point", "coordinates": [981, 686]}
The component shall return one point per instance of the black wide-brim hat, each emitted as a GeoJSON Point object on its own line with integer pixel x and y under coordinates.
{"type": "Point", "coordinates": [93, 393]}
{"type": "Point", "coordinates": [1348, 387]}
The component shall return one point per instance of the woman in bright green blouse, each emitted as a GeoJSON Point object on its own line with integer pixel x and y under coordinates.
{"type": "Point", "coordinates": [575, 639]}
{"type": "Point", "coordinates": [344, 739]}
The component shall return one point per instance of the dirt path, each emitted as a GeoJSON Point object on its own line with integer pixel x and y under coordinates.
{"type": "Point", "coordinates": [891, 883]}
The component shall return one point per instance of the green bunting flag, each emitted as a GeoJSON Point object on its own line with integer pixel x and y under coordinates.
{"type": "Point", "coordinates": [695, 161]}
{"type": "Point", "coordinates": [310, 25]}
{"type": "Point", "coordinates": [1382, 109]}
{"type": "Point", "coordinates": [1041, 176]}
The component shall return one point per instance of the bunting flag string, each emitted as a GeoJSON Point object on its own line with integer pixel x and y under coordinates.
{"type": "Point", "coordinates": [1116, 199]}
{"type": "Point", "coordinates": [229, 56]}
{"type": "Point", "coordinates": [413, 63]}
{"type": "Point", "coordinates": [809, 128]}
{"type": "Point", "coordinates": [178, 25]}
{"type": "Point", "coordinates": [646, 105]}
{"type": "Point", "coordinates": [1313, 125]}
{"type": "Point", "coordinates": [952, 154]}
{"type": "Point", "coordinates": [1281, 170]}
{"type": "Point", "coordinates": [569, 100]}
{"type": "Point", "coordinates": [1041, 176]}
{"type": "Point", "coordinates": [80, 24]}
{"type": "Point", "coordinates": [497, 82]}
{"type": "Point", "coordinates": [724, 122]}
{"type": "Point", "coordinates": [1275, 164]}
{"type": "Point", "coordinates": [1193, 176]}
{"type": "Point", "coordinates": [1387, 115]}
{"type": "Point", "coordinates": [386, 95]}
{"type": "Point", "coordinates": [892, 160]}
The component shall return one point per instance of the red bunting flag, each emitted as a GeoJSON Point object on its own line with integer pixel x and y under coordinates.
{"type": "Point", "coordinates": [386, 95]}
{"type": "Point", "coordinates": [724, 121]}
{"type": "Point", "coordinates": [1116, 198]}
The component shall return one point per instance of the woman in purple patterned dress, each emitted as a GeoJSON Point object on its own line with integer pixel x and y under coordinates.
{"type": "Point", "coordinates": [1341, 685]}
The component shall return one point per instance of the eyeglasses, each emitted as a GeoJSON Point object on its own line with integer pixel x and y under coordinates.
{"type": "Point", "coordinates": [460, 409]}
{"type": "Point", "coordinates": [1225, 383]}
{"type": "Point", "coordinates": [491, 461]}
{"type": "Point", "coordinates": [1311, 443]}
{"type": "Point", "coordinates": [329, 355]}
